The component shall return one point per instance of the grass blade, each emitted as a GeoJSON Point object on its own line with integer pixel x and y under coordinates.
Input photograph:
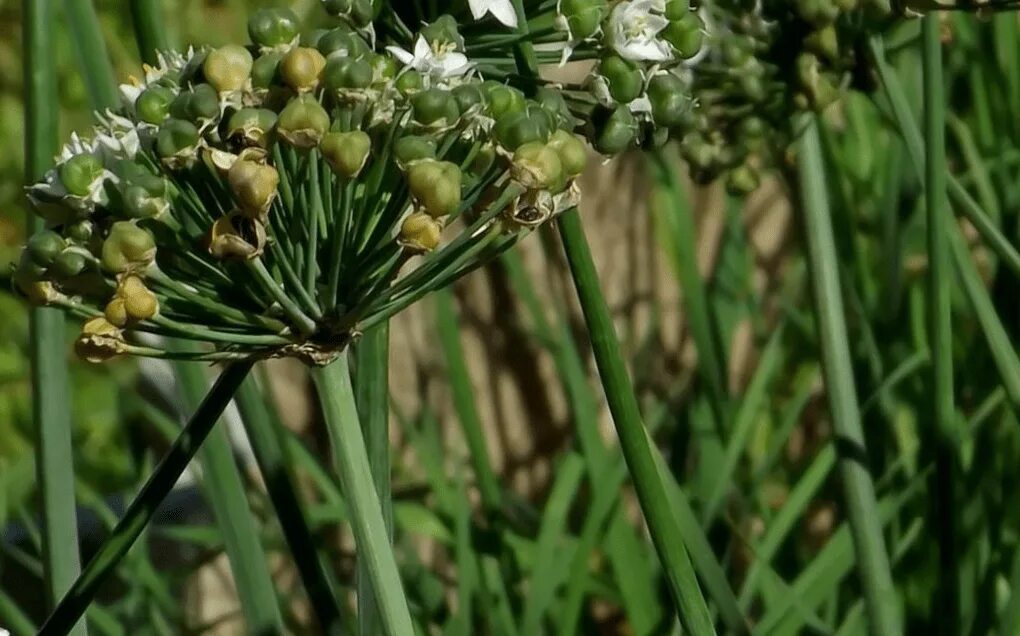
{"type": "Point", "coordinates": [224, 489]}
{"type": "Point", "coordinates": [371, 386]}
{"type": "Point", "coordinates": [662, 523]}
{"type": "Point", "coordinates": [940, 330]}
{"type": "Point", "coordinates": [91, 52]}
{"type": "Point", "coordinates": [336, 396]}
{"type": "Point", "coordinates": [144, 506]}
{"type": "Point", "coordinates": [51, 410]}
{"type": "Point", "coordinates": [858, 486]}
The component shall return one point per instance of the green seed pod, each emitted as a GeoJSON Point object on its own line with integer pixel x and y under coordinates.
{"type": "Point", "coordinates": [435, 185]}
{"type": "Point", "coordinates": [583, 17]}
{"type": "Point", "coordinates": [344, 42]}
{"type": "Point", "coordinates": [409, 82]}
{"type": "Point", "coordinates": [515, 129]}
{"type": "Point", "coordinates": [153, 104]}
{"type": "Point", "coordinates": [265, 70]}
{"type": "Point", "coordinates": [360, 12]}
{"type": "Point", "coordinates": [571, 150]}
{"type": "Point", "coordinates": [552, 102]}
{"type": "Point", "coordinates": [817, 12]}
{"type": "Point", "coordinates": [254, 186]}
{"type": "Point", "coordinates": [502, 99]}
{"type": "Point", "coordinates": [347, 73]}
{"type": "Point", "coordinates": [79, 231]}
{"type": "Point", "coordinates": [201, 103]}
{"type": "Point", "coordinates": [669, 99]}
{"type": "Point", "coordinates": [43, 247]}
{"type": "Point", "coordinates": [237, 237]}
{"type": "Point", "coordinates": [228, 68]}
{"type": "Point", "coordinates": [468, 96]}
{"type": "Point", "coordinates": [79, 173]}
{"type": "Point", "coordinates": [28, 283]}
{"type": "Point", "coordinates": [824, 42]}
{"type": "Point", "coordinates": [537, 166]}
{"type": "Point", "coordinates": [420, 232]}
{"type": "Point", "coordinates": [312, 38]}
{"type": "Point", "coordinates": [414, 148]}
{"type": "Point", "coordinates": [303, 122]}
{"type": "Point", "coordinates": [443, 31]}
{"type": "Point", "coordinates": [384, 68]}
{"type": "Point", "coordinates": [742, 180]}
{"type": "Point", "coordinates": [615, 131]}
{"type": "Point", "coordinates": [686, 35]}
{"type": "Point", "coordinates": [435, 107]}
{"type": "Point", "coordinates": [346, 152]}
{"type": "Point", "coordinates": [624, 78]}
{"type": "Point", "coordinates": [252, 126]}
{"type": "Point", "coordinates": [677, 9]}
{"type": "Point", "coordinates": [140, 204]}
{"type": "Point", "coordinates": [177, 143]}
{"type": "Point", "coordinates": [68, 264]}
{"type": "Point", "coordinates": [273, 27]}
{"type": "Point", "coordinates": [127, 248]}
{"type": "Point", "coordinates": [300, 68]}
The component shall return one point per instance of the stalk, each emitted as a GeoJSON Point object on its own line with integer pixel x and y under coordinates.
{"type": "Point", "coordinates": [336, 396]}
{"type": "Point", "coordinates": [372, 397]}
{"type": "Point", "coordinates": [144, 506]}
{"type": "Point", "coordinates": [662, 522]}
{"type": "Point", "coordinates": [858, 486]}
{"type": "Point", "coordinates": [150, 31]}
{"type": "Point", "coordinates": [88, 42]}
{"type": "Point", "coordinates": [51, 410]}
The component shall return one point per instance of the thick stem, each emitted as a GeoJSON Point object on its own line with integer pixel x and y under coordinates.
{"type": "Point", "coordinates": [336, 395]}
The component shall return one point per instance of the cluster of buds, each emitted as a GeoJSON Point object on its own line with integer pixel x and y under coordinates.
{"type": "Point", "coordinates": [276, 198]}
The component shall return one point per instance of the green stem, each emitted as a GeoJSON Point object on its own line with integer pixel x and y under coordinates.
{"type": "Point", "coordinates": [88, 41]}
{"type": "Point", "coordinates": [371, 386]}
{"type": "Point", "coordinates": [662, 524]}
{"type": "Point", "coordinates": [858, 486]}
{"type": "Point", "coordinates": [336, 396]}
{"type": "Point", "coordinates": [224, 490]}
{"type": "Point", "coordinates": [150, 29]}
{"type": "Point", "coordinates": [144, 506]}
{"type": "Point", "coordinates": [51, 415]}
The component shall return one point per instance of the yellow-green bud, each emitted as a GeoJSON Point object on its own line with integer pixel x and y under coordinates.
{"type": "Point", "coordinates": [346, 152]}
{"type": "Point", "coordinates": [420, 232]}
{"type": "Point", "coordinates": [300, 68]}
{"type": "Point", "coordinates": [128, 248]}
{"type": "Point", "coordinates": [254, 186]}
{"type": "Point", "coordinates": [116, 312]}
{"type": "Point", "coordinates": [537, 166]}
{"type": "Point", "coordinates": [303, 122]}
{"type": "Point", "coordinates": [435, 185]}
{"type": "Point", "coordinates": [228, 68]}
{"type": "Point", "coordinates": [571, 150]}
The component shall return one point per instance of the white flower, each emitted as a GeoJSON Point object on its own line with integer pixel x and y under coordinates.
{"type": "Point", "coordinates": [634, 26]}
{"type": "Point", "coordinates": [117, 135]}
{"type": "Point", "coordinates": [440, 63]}
{"type": "Point", "coordinates": [502, 10]}
{"type": "Point", "coordinates": [167, 61]}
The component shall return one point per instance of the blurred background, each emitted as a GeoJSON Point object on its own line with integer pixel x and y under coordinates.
{"type": "Point", "coordinates": [765, 485]}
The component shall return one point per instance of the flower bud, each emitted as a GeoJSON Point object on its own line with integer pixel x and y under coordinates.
{"type": "Point", "coordinates": [435, 186]}
{"type": "Point", "coordinates": [43, 247]}
{"type": "Point", "coordinates": [502, 99]}
{"type": "Point", "coordinates": [413, 148]}
{"type": "Point", "coordinates": [817, 12]}
{"type": "Point", "coordinates": [300, 68]}
{"type": "Point", "coordinates": [237, 237]}
{"type": "Point", "coordinates": [824, 42]}
{"type": "Point", "coordinates": [468, 96]}
{"type": "Point", "coordinates": [140, 202]}
{"type": "Point", "coordinates": [80, 173]}
{"type": "Point", "coordinates": [346, 152]}
{"type": "Point", "coordinates": [127, 248]}
{"type": "Point", "coordinates": [68, 264]}
{"type": "Point", "coordinates": [420, 232]}
{"type": "Point", "coordinates": [265, 69]}
{"type": "Point", "coordinates": [582, 18]}
{"type": "Point", "coordinates": [303, 122]}
{"type": "Point", "coordinates": [177, 143]}
{"type": "Point", "coordinates": [153, 104]}
{"type": "Point", "coordinates": [435, 107]}
{"type": "Point", "coordinates": [273, 27]}
{"type": "Point", "coordinates": [384, 68]}
{"type": "Point", "coordinates": [571, 150]}
{"type": "Point", "coordinates": [200, 104]}
{"type": "Point", "coordinates": [252, 126]}
{"type": "Point", "coordinates": [623, 78]}
{"type": "Point", "coordinates": [343, 42]}
{"type": "Point", "coordinates": [669, 99]}
{"type": "Point", "coordinates": [537, 166]}
{"type": "Point", "coordinates": [409, 82]}
{"type": "Point", "coordinates": [347, 73]}
{"type": "Point", "coordinates": [616, 132]}
{"type": "Point", "coordinates": [99, 341]}
{"type": "Point", "coordinates": [254, 186]}
{"type": "Point", "coordinates": [227, 68]}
